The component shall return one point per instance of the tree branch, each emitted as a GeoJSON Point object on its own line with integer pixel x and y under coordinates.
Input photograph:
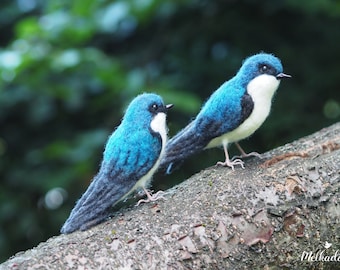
{"type": "Point", "coordinates": [273, 213]}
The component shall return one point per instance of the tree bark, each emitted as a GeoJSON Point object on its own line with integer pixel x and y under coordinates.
{"type": "Point", "coordinates": [280, 212]}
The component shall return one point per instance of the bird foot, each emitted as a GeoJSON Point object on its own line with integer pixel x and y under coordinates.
{"type": "Point", "coordinates": [152, 197]}
{"type": "Point", "coordinates": [231, 163]}
{"type": "Point", "coordinates": [244, 155]}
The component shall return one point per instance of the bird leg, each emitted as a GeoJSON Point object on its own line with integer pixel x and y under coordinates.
{"type": "Point", "coordinates": [151, 197]}
{"type": "Point", "coordinates": [244, 154]}
{"type": "Point", "coordinates": [228, 162]}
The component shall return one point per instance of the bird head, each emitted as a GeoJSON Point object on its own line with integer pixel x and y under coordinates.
{"type": "Point", "coordinates": [261, 64]}
{"type": "Point", "coordinates": [261, 75]}
{"type": "Point", "coordinates": [147, 110]}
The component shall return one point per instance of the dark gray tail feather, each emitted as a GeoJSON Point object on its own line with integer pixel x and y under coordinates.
{"type": "Point", "coordinates": [185, 144]}
{"type": "Point", "coordinates": [94, 205]}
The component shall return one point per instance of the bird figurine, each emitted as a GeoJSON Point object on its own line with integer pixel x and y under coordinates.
{"type": "Point", "coordinates": [233, 112]}
{"type": "Point", "coordinates": [131, 157]}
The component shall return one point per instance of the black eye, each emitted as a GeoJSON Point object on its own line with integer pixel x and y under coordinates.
{"type": "Point", "coordinates": [264, 68]}
{"type": "Point", "coordinates": [154, 108]}
{"type": "Point", "coordinates": [267, 69]}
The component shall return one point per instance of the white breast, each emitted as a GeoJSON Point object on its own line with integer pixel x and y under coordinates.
{"type": "Point", "coordinates": [158, 124]}
{"type": "Point", "coordinates": [261, 89]}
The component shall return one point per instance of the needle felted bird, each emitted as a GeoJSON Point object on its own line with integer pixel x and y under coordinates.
{"type": "Point", "coordinates": [131, 157]}
{"type": "Point", "coordinates": [233, 112]}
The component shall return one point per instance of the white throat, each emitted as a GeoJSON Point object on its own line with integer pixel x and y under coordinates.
{"type": "Point", "coordinates": [261, 89]}
{"type": "Point", "coordinates": [158, 124]}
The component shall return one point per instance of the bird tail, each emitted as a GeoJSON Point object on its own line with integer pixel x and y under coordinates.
{"type": "Point", "coordinates": [94, 205]}
{"type": "Point", "coordinates": [184, 144]}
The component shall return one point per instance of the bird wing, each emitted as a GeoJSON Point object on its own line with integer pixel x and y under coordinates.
{"type": "Point", "coordinates": [223, 112]}
{"type": "Point", "coordinates": [115, 179]}
{"type": "Point", "coordinates": [190, 140]}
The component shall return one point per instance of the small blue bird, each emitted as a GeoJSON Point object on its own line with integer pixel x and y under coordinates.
{"type": "Point", "coordinates": [233, 112]}
{"type": "Point", "coordinates": [131, 157]}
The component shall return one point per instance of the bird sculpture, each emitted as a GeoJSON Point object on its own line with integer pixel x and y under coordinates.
{"type": "Point", "coordinates": [233, 112]}
{"type": "Point", "coordinates": [131, 157]}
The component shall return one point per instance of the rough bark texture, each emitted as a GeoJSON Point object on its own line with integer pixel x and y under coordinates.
{"type": "Point", "coordinates": [263, 217]}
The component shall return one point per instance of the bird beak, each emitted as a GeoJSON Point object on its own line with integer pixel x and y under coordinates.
{"type": "Point", "coordinates": [282, 76]}
{"type": "Point", "coordinates": [168, 106]}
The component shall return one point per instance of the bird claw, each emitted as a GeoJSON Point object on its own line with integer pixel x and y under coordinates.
{"type": "Point", "coordinates": [252, 154]}
{"type": "Point", "coordinates": [231, 163]}
{"type": "Point", "coordinates": [152, 197]}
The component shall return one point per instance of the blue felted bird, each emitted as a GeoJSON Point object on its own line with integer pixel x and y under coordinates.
{"type": "Point", "coordinates": [131, 157]}
{"type": "Point", "coordinates": [233, 112]}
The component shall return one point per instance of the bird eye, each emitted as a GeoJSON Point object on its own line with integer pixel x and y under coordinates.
{"type": "Point", "coordinates": [263, 68]}
{"type": "Point", "coordinates": [154, 107]}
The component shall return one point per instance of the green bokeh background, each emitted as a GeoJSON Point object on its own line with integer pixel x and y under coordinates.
{"type": "Point", "coordinates": [69, 68]}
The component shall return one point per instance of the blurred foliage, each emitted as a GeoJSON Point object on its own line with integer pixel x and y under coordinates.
{"type": "Point", "coordinates": [69, 68]}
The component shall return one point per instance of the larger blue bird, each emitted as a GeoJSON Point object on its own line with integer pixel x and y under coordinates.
{"type": "Point", "coordinates": [233, 112]}
{"type": "Point", "coordinates": [131, 157]}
